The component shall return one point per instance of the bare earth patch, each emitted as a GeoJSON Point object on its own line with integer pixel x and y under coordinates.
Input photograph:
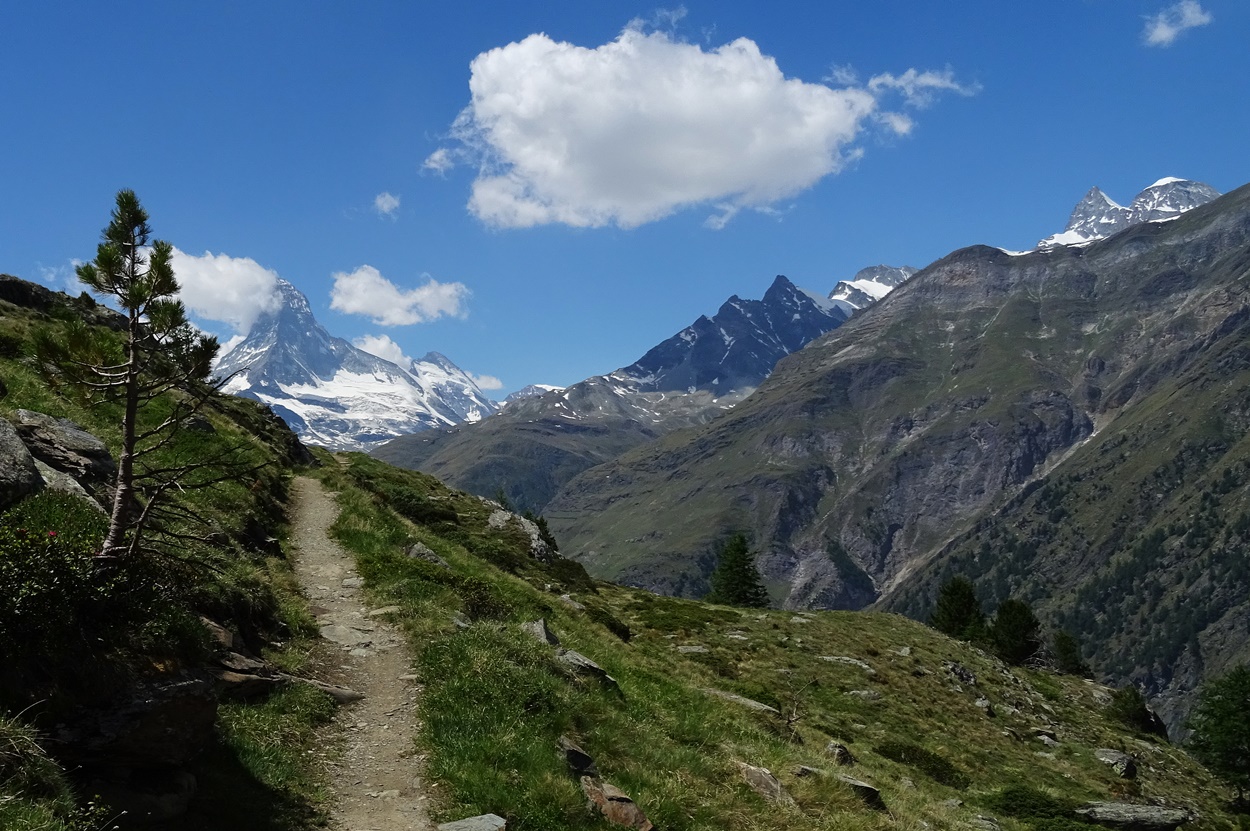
{"type": "Point", "coordinates": [378, 784]}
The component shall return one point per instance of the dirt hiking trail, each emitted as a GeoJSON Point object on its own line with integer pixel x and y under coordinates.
{"type": "Point", "coordinates": [378, 785]}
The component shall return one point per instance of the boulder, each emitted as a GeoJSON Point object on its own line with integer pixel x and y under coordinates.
{"type": "Point", "coordinates": [485, 822]}
{"type": "Point", "coordinates": [578, 760]}
{"type": "Point", "coordinates": [762, 781]}
{"type": "Point", "coordinates": [615, 805]}
{"type": "Point", "coordinates": [1130, 817]}
{"type": "Point", "coordinates": [18, 475]}
{"type": "Point", "coordinates": [840, 753]}
{"type": "Point", "coordinates": [538, 630]}
{"type": "Point", "coordinates": [421, 551]}
{"type": "Point", "coordinates": [584, 666]}
{"type": "Point", "coordinates": [1122, 763]}
{"type": "Point", "coordinates": [867, 794]}
{"type": "Point", "coordinates": [65, 446]}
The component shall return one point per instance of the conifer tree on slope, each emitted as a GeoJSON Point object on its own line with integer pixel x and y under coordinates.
{"type": "Point", "coordinates": [736, 580]}
{"type": "Point", "coordinates": [159, 352]}
{"type": "Point", "coordinates": [1221, 725]}
{"type": "Point", "coordinates": [958, 611]}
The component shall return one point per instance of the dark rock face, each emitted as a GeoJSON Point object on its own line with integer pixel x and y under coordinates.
{"type": "Point", "coordinates": [18, 475]}
{"type": "Point", "coordinates": [540, 442]}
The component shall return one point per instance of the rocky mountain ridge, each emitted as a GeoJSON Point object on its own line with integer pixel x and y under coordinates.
{"type": "Point", "coordinates": [538, 443]}
{"type": "Point", "coordinates": [337, 395]}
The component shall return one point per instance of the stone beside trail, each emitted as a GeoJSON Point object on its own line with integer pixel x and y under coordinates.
{"type": "Point", "coordinates": [378, 785]}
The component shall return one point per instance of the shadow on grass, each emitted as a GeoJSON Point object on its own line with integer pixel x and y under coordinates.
{"type": "Point", "coordinates": [229, 796]}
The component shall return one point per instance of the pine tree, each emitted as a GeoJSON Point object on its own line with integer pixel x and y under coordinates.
{"type": "Point", "coordinates": [1067, 653]}
{"type": "Point", "coordinates": [736, 580]}
{"type": "Point", "coordinates": [958, 611]}
{"type": "Point", "coordinates": [160, 356]}
{"type": "Point", "coordinates": [1221, 725]}
{"type": "Point", "coordinates": [1015, 633]}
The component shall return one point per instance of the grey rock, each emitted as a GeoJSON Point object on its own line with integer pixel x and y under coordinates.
{"type": "Point", "coordinates": [567, 600]}
{"type": "Point", "coordinates": [353, 582]}
{"type": "Point", "coordinates": [584, 666]}
{"type": "Point", "coordinates": [421, 551]}
{"type": "Point", "coordinates": [1130, 817]}
{"type": "Point", "coordinates": [867, 695]}
{"type": "Point", "coordinates": [615, 805]}
{"type": "Point", "coordinates": [386, 610]}
{"type": "Point", "coordinates": [485, 822]}
{"type": "Point", "coordinates": [499, 519]}
{"type": "Point", "coordinates": [65, 446]}
{"type": "Point", "coordinates": [952, 803]}
{"type": "Point", "coordinates": [18, 475]}
{"type": "Point", "coordinates": [960, 673]}
{"type": "Point", "coordinates": [803, 771]}
{"type": "Point", "coordinates": [867, 794]}
{"type": "Point", "coordinates": [1122, 763]}
{"type": "Point", "coordinates": [985, 823]}
{"type": "Point", "coordinates": [58, 480]}
{"type": "Point", "coordinates": [840, 753]}
{"type": "Point", "coordinates": [578, 760]}
{"type": "Point", "coordinates": [538, 630]}
{"type": "Point", "coordinates": [904, 651]}
{"type": "Point", "coordinates": [460, 621]}
{"type": "Point", "coordinates": [762, 781]}
{"type": "Point", "coordinates": [984, 704]}
{"type": "Point", "coordinates": [749, 703]}
{"type": "Point", "coordinates": [345, 635]}
{"type": "Point", "coordinates": [692, 650]}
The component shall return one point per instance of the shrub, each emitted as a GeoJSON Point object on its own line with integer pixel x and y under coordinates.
{"type": "Point", "coordinates": [1128, 706]}
{"type": "Point", "coordinates": [936, 767]}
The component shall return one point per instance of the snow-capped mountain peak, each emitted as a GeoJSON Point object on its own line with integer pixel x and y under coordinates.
{"type": "Point", "coordinates": [868, 286]}
{"type": "Point", "coordinates": [337, 395]}
{"type": "Point", "coordinates": [1097, 215]}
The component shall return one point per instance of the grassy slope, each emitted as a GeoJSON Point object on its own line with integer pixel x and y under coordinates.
{"type": "Point", "coordinates": [496, 700]}
{"type": "Point", "coordinates": [258, 775]}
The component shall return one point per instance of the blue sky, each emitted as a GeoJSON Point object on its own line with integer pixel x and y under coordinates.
{"type": "Point", "coordinates": [604, 183]}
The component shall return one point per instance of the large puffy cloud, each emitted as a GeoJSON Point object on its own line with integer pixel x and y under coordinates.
{"type": "Point", "coordinates": [232, 290]}
{"type": "Point", "coordinates": [366, 292]}
{"type": "Point", "coordinates": [1164, 28]}
{"type": "Point", "coordinates": [635, 129]}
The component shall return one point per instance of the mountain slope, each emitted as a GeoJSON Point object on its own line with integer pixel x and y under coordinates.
{"type": "Point", "coordinates": [863, 456]}
{"type": "Point", "coordinates": [538, 443]}
{"type": "Point", "coordinates": [1096, 216]}
{"type": "Point", "coordinates": [334, 394]}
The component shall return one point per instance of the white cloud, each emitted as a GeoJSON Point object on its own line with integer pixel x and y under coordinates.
{"type": "Point", "coordinates": [1164, 28]}
{"type": "Point", "coordinates": [386, 204]}
{"type": "Point", "coordinates": [440, 161]}
{"type": "Point", "coordinates": [366, 292]}
{"type": "Point", "coordinates": [636, 129]}
{"type": "Point", "coordinates": [384, 348]}
{"type": "Point", "coordinates": [919, 88]}
{"type": "Point", "coordinates": [486, 382]}
{"type": "Point", "coordinates": [233, 290]}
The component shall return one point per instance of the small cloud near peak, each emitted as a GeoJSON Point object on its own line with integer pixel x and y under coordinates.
{"type": "Point", "coordinates": [1165, 27]}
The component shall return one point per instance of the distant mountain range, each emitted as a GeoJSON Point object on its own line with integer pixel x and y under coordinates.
{"type": "Point", "coordinates": [1069, 426]}
{"type": "Point", "coordinates": [1096, 216]}
{"type": "Point", "coordinates": [537, 443]}
{"type": "Point", "coordinates": [337, 395]}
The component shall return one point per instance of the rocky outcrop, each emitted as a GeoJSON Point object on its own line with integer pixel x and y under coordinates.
{"type": "Point", "coordinates": [18, 475]}
{"type": "Point", "coordinates": [762, 781]}
{"type": "Point", "coordinates": [66, 447]}
{"type": "Point", "coordinates": [614, 804]}
{"type": "Point", "coordinates": [1128, 817]}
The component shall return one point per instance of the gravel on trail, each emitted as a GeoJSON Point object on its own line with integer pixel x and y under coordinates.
{"type": "Point", "coordinates": [378, 782]}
